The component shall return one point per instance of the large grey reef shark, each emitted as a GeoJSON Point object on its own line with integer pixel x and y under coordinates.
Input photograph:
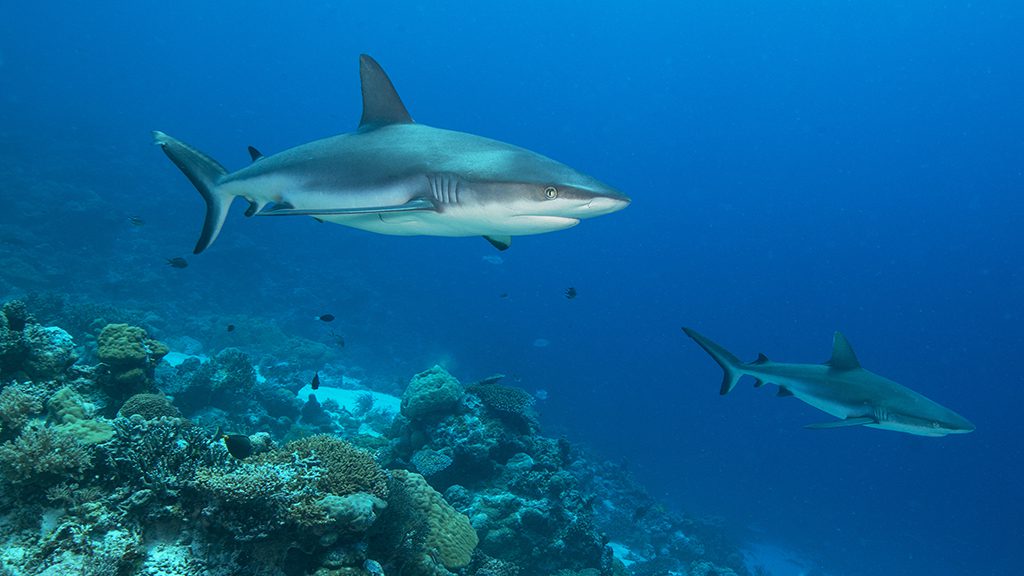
{"type": "Point", "coordinates": [394, 176]}
{"type": "Point", "coordinates": [842, 388]}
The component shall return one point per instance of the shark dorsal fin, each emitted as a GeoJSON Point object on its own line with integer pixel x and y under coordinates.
{"type": "Point", "coordinates": [255, 154]}
{"type": "Point", "coordinates": [381, 104]}
{"type": "Point", "coordinates": [761, 359]}
{"type": "Point", "coordinates": [843, 357]}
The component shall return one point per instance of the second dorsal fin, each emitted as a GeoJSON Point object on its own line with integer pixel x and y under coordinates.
{"type": "Point", "coordinates": [381, 104]}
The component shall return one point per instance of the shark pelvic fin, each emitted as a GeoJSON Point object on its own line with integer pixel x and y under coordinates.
{"type": "Point", "coordinates": [843, 357]}
{"type": "Point", "coordinates": [255, 154]}
{"type": "Point", "coordinates": [205, 174]}
{"type": "Point", "coordinates": [416, 204]}
{"type": "Point", "coordinates": [859, 421]}
{"type": "Point", "coordinates": [500, 242]}
{"type": "Point", "coordinates": [730, 364]}
{"type": "Point", "coordinates": [381, 104]}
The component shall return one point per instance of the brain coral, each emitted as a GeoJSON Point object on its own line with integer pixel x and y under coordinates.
{"type": "Point", "coordinates": [149, 406]}
{"type": "Point", "coordinates": [448, 536]}
{"type": "Point", "coordinates": [348, 469]}
{"type": "Point", "coordinates": [431, 392]}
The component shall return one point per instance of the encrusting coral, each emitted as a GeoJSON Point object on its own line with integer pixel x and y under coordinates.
{"type": "Point", "coordinates": [347, 469]}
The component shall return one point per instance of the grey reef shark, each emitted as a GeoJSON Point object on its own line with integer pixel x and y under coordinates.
{"type": "Point", "coordinates": [394, 176]}
{"type": "Point", "coordinates": [842, 388]}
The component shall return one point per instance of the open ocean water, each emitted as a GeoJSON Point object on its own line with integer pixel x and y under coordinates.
{"type": "Point", "coordinates": [795, 168]}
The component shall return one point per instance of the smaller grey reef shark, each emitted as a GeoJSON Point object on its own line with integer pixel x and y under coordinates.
{"type": "Point", "coordinates": [394, 176]}
{"type": "Point", "coordinates": [842, 388]}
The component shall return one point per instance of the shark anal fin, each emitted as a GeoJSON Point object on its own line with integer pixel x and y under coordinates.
{"type": "Point", "coordinates": [859, 421]}
{"type": "Point", "coordinates": [255, 154]}
{"type": "Point", "coordinates": [253, 208]}
{"type": "Point", "coordinates": [843, 357]}
{"type": "Point", "coordinates": [500, 242]}
{"type": "Point", "coordinates": [381, 104]}
{"type": "Point", "coordinates": [416, 204]}
{"type": "Point", "coordinates": [783, 392]}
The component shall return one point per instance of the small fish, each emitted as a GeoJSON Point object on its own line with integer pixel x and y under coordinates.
{"type": "Point", "coordinates": [231, 327]}
{"type": "Point", "coordinates": [325, 317]}
{"type": "Point", "coordinates": [238, 445]}
{"type": "Point", "coordinates": [338, 339]}
{"type": "Point", "coordinates": [503, 295]}
{"type": "Point", "coordinates": [315, 384]}
{"type": "Point", "coordinates": [136, 221]}
{"type": "Point", "coordinates": [177, 262]}
{"type": "Point", "coordinates": [570, 293]}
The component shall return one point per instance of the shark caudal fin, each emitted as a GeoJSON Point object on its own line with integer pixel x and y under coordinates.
{"type": "Point", "coordinates": [204, 173]}
{"type": "Point", "coordinates": [730, 364]}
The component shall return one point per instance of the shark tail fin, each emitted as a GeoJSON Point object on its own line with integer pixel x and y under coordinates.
{"type": "Point", "coordinates": [205, 174]}
{"type": "Point", "coordinates": [730, 364]}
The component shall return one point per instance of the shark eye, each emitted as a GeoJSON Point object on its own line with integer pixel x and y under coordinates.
{"type": "Point", "coordinates": [551, 192]}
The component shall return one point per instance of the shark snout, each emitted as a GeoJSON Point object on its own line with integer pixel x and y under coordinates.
{"type": "Point", "coordinates": [604, 202]}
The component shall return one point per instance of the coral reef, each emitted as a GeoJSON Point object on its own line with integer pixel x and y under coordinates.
{"type": "Point", "coordinates": [101, 474]}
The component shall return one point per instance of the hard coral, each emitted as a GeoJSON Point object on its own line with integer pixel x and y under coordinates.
{"type": "Point", "coordinates": [430, 393]}
{"type": "Point", "coordinates": [16, 407]}
{"type": "Point", "coordinates": [43, 456]}
{"type": "Point", "coordinates": [503, 399]}
{"type": "Point", "coordinates": [347, 469]}
{"type": "Point", "coordinates": [50, 351]}
{"type": "Point", "coordinates": [443, 533]}
{"type": "Point", "coordinates": [130, 356]}
{"type": "Point", "coordinates": [149, 406]}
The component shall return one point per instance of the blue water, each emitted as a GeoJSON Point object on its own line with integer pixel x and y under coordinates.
{"type": "Point", "coordinates": [795, 169]}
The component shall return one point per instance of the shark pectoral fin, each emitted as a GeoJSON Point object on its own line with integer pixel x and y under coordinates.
{"type": "Point", "coordinates": [500, 242]}
{"type": "Point", "coordinates": [859, 421]}
{"type": "Point", "coordinates": [416, 204]}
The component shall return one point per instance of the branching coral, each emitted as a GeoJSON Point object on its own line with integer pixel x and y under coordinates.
{"type": "Point", "coordinates": [16, 406]}
{"type": "Point", "coordinates": [43, 456]}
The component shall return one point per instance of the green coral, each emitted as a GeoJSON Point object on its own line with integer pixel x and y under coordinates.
{"type": "Point", "coordinates": [431, 392]}
{"type": "Point", "coordinates": [149, 406]}
{"type": "Point", "coordinates": [130, 356]}
{"type": "Point", "coordinates": [347, 469]}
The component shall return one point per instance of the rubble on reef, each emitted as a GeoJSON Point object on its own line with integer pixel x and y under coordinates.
{"type": "Point", "coordinates": [115, 461]}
